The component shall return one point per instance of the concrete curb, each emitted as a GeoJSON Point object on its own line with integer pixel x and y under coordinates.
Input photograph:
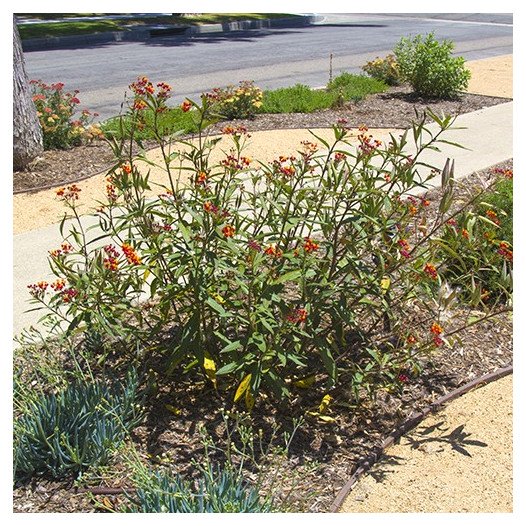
{"type": "Point", "coordinates": [147, 33]}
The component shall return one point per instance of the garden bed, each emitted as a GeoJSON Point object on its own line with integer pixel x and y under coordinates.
{"type": "Point", "coordinates": [392, 109]}
{"type": "Point", "coordinates": [322, 455]}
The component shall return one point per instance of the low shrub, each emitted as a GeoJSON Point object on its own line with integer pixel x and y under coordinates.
{"type": "Point", "coordinates": [218, 490]}
{"type": "Point", "coordinates": [479, 247]}
{"type": "Point", "coordinates": [56, 110]}
{"type": "Point", "coordinates": [295, 99]}
{"type": "Point", "coordinates": [259, 277]}
{"type": "Point", "coordinates": [236, 102]}
{"type": "Point", "coordinates": [428, 66]}
{"type": "Point", "coordinates": [384, 69]}
{"type": "Point", "coordinates": [66, 433]}
{"type": "Point", "coordinates": [303, 99]}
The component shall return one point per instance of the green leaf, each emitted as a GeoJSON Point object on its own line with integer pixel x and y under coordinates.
{"type": "Point", "coordinates": [234, 346]}
{"type": "Point", "coordinates": [228, 368]}
{"type": "Point", "coordinates": [288, 276]}
{"type": "Point", "coordinates": [217, 307]}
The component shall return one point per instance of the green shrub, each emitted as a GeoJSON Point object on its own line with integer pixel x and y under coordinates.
{"type": "Point", "coordinates": [303, 99]}
{"type": "Point", "coordinates": [479, 255]}
{"type": "Point", "coordinates": [384, 69]}
{"type": "Point", "coordinates": [355, 87]}
{"type": "Point", "coordinates": [295, 99]}
{"type": "Point", "coordinates": [428, 66]}
{"type": "Point", "coordinates": [79, 427]}
{"type": "Point", "coordinates": [260, 277]}
{"type": "Point", "coordinates": [216, 491]}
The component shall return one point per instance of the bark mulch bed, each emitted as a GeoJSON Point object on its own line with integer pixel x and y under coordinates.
{"type": "Point", "coordinates": [393, 109]}
{"type": "Point", "coordinates": [322, 457]}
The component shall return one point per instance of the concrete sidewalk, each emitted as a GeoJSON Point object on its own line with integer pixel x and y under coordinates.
{"type": "Point", "coordinates": [487, 134]}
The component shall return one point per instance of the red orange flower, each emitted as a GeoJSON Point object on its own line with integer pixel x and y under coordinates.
{"type": "Point", "coordinates": [130, 254]}
{"type": "Point", "coordinates": [505, 251]}
{"type": "Point", "coordinates": [436, 329]}
{"type": "Point", "coordinates": [37, 290]}
{"type": "Point", "coordinates": [70, 193]}
{"type": "Point", "coordinates": [274, 251]}
{"type": "Point", "coordinates": [201, 179]}
{"type": "Point", "coordinates": [431, 270]}
{"type": "Point", "coordinates": [58, 285]}
{"type": "Point", "coordinates": [297, 316]}
{"type": "Point", "coordinates": [492, 216]}
{"type": "Point", "coordinates": [186, 105]}
{"type": "Point", "coordinates": [405, 249]}
{"type": "Point", "coordinates": [310, 246]}
{"type": "Point", "coordinates": [228, 231]}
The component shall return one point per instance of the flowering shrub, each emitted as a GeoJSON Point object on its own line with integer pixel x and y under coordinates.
{"type": "Point", "coordinates": [384, 69]}
{"type": "Point", "coordinates": [429, 67]}
{"type": "Point", "coordinates": [236, 102]}
{"type": "Point", "coordinates": [309, 266]}
{"type": "Point", "coordinates": [479, 246]}
{"type": "Point", "coordinates": [55, 110]}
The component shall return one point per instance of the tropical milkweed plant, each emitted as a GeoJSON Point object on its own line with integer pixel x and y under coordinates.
{"type": "Point", "coordinates": [265, 276]}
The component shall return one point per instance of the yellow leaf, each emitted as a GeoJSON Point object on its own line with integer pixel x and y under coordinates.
{"type": "Point", "coordinates": [146, 275]}
{"type": "Point", "coordinates": [243, 386]}
{"type": "Point", "coordinates": [210, 368]}
{"type": "Point", "coordinates": [218, 298]}
{"type": "Point", "coordinates": [326, 400]}
{"type": "Point", "coordinates": [305, 383]}
{"type": "Point", "coordinates": [249, 400]}
{"type": "Point", "coordinates": [385, 283]}
{"type": "Point", "coordinates": [107, 503]}
{"type": "Point", "coordinates": [173, 409]}
{"type": "Point", "coordinates": [328, 419]}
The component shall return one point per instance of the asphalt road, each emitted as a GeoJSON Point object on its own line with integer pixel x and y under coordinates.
{"type": "Point", "coordinates": [272, 57]}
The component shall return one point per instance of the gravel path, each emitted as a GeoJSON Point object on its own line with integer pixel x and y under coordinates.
{"type": "Point", "coordinates": [459, 460]}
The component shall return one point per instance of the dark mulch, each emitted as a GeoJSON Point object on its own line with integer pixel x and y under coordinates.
{"type": "Point", "coordinates": [393, 109]}
{"type": "Point", "coordinates": [322, 456]}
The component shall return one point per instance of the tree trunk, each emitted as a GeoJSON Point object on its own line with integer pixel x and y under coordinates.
{"type": "Point", "coordinates": [27, 133]}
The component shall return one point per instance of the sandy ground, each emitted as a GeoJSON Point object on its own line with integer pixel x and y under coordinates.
{"type": "Point", "coordinates": [492, 76]}
{"type": "Point", "coordinates": [32, 210]}
{"type": "Point", "coordinates": [459, 460]}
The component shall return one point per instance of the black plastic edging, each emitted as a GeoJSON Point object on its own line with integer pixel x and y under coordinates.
{"type": "Point", "coordinates": [411, 422]}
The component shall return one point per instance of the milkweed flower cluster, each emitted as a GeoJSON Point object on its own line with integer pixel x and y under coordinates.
{"type": "Point", "coordinates": [65, 248]}
{"type": "Point", "coordinates": [228, 231]}
{"type": "Point", "coordinates": [145, 95]}
{"type": "Point", "coordinates": [367, 144]}
{"type": "Point", "coordinates": [505, 251]}
{"type": "Point", "coordinates": [431, 270]}
{"type": "Point", "coordinates": [310, 245]}
{"type": "Point", "coordinates": [69, 193]}
{"type": "Point", "coordinates": [131, 255]}
{"type": "Point", "coordinates": [273, 251]}
{"type": "Point", "coordinates": [297, 316]}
